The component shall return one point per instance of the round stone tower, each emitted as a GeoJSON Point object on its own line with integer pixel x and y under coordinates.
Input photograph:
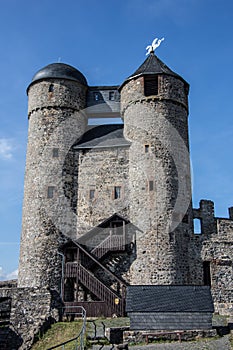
{"type": "Point", "coordinates": [56, 98]}
{"type": "Point", "coordinates": [154, 106]}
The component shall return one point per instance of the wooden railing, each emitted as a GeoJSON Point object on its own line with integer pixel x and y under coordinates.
{"type": "Point", "coordinates": [93, 308]}
{"type": "Point", "coordinates": [110, 243]}
{"type": "Point", "coordinates": [114, 301]}
{"type": "Point", "coordinates": [95, 286]}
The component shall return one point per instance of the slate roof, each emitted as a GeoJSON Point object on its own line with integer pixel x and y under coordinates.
{"type": "Point", "coordinates": [101, 136]}
{"type": "Point", "coordinates": [152, 65]}
{"type": "Point", "coordinates": [169, 299]}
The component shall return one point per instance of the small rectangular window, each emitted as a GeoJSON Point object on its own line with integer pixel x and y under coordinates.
{"type": "Point", "coordinates": [151, 185]}
{"type": "Point", "coordinates": [55, 152]}
{"type": "Point", "coordinates": [117, 192]}
{"type": "Point", "coordinates": [147, 147]}
{"type": "Point", "coordinates": [92, 194]}
{"type": "Point", "coordinates": [51, 88]}
{"type": "Point", "coordinates": [50, 192]}
{"type": "Point", "coordinates": [151, 85]}
{"type": "Point", "coordinates": [111, 95]}
{"type": "Point", "coordinates": [96, 96]}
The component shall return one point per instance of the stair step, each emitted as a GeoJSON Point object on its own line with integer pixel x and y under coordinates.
{"type": "Point", "coordinates": [101, 347]}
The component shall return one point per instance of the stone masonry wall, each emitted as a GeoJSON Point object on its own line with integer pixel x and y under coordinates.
{"type": "Point", "coordinates": [100, 170]}
{"type": "Point", "coordinates": [32, 310]}
{"type": "Point", "coordinates": [218, 249]}
{"type": "Point", "coordinates": [159, 179]}
{"type": "Point", "coordinates": [214, 245]}
{"type": "Point", "coordinates": [55, 123]}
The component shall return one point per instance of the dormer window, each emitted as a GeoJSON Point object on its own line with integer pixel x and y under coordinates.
{"type": "Point", "coordinates": [150, 85]}
{"type": "Point", "coordinates": [96, 96]}
{"type": "Point", "coordinates": [111, 95]}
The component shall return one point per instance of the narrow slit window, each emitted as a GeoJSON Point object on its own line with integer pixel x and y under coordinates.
{"type": "Point", "coordinates": [50, 192]}
{"type": "Point", "coordinates": [185, 219]}
{"type": "Point", "coordinates": [51, 88]}
{"type": "Point", "coordinates": [206, 273]}
{"type": "Point", "coordinates": [92, 194]}
{"type": "Point", "coordinates": [197, 226]}
{"type": "Point", "coordinates": [117, 192]}
{"type": "Point", "coordinates": [55, 152]}
{"type": "Point", "coordinates": [151, 185]}
{"type": "Point", "coordinates": [151, 85]}
{"type": "Point", "coordinates": [111, 95]}
{"type": "Point", "coordinates": [147, 147]}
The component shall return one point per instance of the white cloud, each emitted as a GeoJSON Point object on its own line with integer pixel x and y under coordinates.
{"type": "Point", "coordinates": [8, 276]}
{"type": "Point", "coordinates": [6, 148]}
{"type": "Point", "coordinates": [13, 275]}
{"type": "Point", "coordinates": [1, 274]}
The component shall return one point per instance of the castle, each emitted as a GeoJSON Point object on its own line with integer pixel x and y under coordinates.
{"type": "Point", "coordinates": [110, 205]}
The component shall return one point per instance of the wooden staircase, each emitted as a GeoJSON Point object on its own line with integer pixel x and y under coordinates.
{"type": "Point", "coordinates": [109, 301]}
{"type": "Point", "coordinates": [109, 244]}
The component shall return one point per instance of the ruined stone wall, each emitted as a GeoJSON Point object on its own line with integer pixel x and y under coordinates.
{"type": "Point", "coordinates": [100, 170]}
{"type": "Point", "coordinates": [159, 179]}
{"type": "Point", "coordinates": [31, 313]}
{"type": "Point", "coordinates": [218, 249]}
{"type": "Point", "coordinates": [55, 123]}
{"type": "Point", "coordinates": [214, 245]}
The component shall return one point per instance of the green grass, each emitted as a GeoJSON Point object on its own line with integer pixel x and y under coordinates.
{"type": "Point", "coordinates": [63, 331]}
{"type": "Point", "coordinates": [58, 333]}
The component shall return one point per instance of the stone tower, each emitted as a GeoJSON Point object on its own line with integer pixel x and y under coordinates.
{"type": "Point", "coordinates": [154, 106]}
{"type": "Point", "coordinates": [56, 97]}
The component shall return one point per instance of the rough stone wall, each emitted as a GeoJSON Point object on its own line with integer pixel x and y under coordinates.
{"type": "Point", "coordinates": [159, 179]}
{"type": "Point", "coordinates": [32, 310]}
{"type": "Point", "coordinates": [31, 313]}
{"type": "Point", "coordinates": [213, 245]}
{"type": "Point", "coordinates": [55, 123]}
{"type": "Point", "coordinates": [218, 249]}
{"type": "Point", "coordinates": [101, 170]}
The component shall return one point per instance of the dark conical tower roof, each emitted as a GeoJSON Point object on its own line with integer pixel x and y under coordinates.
{"type": "Point", "coordinates": [152, 65]}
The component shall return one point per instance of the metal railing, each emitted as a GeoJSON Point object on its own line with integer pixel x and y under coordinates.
{"type": "Point", "coordinates": [80, 338]}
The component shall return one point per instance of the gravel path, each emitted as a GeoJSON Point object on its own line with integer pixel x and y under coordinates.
{"type": "Point", "coordinates": [222, 343]}
{"type": "Point", "coordinates": [215, 344]}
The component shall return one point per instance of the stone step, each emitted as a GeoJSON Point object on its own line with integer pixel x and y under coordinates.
{"type": "Point", "coordinates": [101, 347]}
{"type": "Point", "coordinates": [97, 330]}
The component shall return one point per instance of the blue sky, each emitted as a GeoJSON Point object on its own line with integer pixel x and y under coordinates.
{"type": "Point", "coordinates": [106, 41]}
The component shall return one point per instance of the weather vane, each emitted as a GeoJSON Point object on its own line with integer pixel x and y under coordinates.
{"type": "Point", "coordinates": [151, 48]}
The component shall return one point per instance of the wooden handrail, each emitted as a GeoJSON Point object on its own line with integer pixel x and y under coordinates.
{"type": "Point", "coordinates": [97, 287]}
{"type": "Point", "coordinates": [88, 278]}
{"type": "Point", "coordinates": [125, 284]}
{"type": "Point", "coordinates": [110, 243]}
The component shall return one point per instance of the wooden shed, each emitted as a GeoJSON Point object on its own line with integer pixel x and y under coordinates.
{"type": "Point", "coordinates": [169, 307]}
